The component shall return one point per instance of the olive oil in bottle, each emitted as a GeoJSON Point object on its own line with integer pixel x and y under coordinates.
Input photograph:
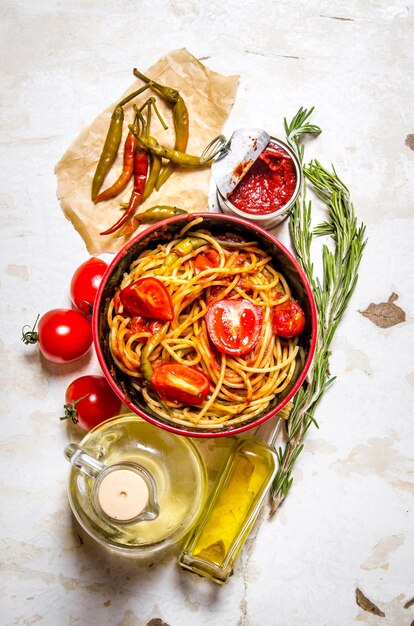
{"type": "Point", "coordinates": [229, 515]}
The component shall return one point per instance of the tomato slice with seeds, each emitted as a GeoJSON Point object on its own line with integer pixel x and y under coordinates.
{"type": "Point", "coordinates": [149, 298]}
{"type": "Point", "coordinates": [206, 260]}
{"type": "Point", "coordinates": [288, 319]}
{"type": "Point", "coordinates": [180, 383]}
{"type": "Point", "coordinates": [234, 326]}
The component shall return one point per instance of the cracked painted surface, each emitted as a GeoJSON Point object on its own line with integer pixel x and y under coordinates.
{"type": "Point", "coordinates": [348, 522]}
{"type": "Point", "coordinates": [393, 613]}
{"type": "Point", "coordinates": [381, 552]}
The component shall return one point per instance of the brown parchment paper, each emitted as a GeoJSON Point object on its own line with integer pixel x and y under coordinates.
{"type": "Point", "coordinates": [209, 97]}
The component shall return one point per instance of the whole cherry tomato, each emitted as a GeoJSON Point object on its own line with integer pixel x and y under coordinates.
{"type": "Point", "coordinates": [148, 298]}
{"type": "Point", "coordinates": [85, 282]}
{"type": "Point", "coordinates": [288, 319]}
{"type": "Point", "coordinates": [234, 326]}
{"type": "Point", "coordinates": [180, 383]}
{"type": "Point", "coordinates": [90, 401]}
{"type": "Point", "coordinates": [63, 335]}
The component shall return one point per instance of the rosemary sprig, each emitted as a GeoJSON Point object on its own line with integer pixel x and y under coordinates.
{"type": "Point", "coordinates": [332, 292]}
{"type": "Point", "coordinates": [298, 128]}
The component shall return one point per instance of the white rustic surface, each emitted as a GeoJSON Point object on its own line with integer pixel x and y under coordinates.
{"type": "Point", "coordinates": [349, 519]}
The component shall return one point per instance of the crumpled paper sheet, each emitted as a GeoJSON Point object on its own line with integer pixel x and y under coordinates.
{"type": "Point", "coordinates": [209, 97]}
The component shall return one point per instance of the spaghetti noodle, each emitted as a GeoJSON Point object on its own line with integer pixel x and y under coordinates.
{"type": "Point", "coordinates": [242, 387]}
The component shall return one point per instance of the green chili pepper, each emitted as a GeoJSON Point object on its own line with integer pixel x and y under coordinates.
{"type": "Point", "coordinates": [155, 168]}
{"type": "Point", "coordinates": [181, 125]}
{"type": "Point", "coordinates": [186, 246]}
{"type": "Point", "coordinates": [152, 343]}
{"type": "Point", "coordinates": [171, 95]}
{"type": "Point", "coordinates": [112, 141]}
{"type": "Point", "coordinates": [156, 161]}
{"type": "Point", "coordinates": [110, 150]}
{"type": "Point", "coordinates": [180, 158]}
{"type": "Point", "coordinates": [158, 213]}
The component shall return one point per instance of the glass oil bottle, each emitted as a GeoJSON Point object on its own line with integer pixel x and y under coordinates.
{"type": "Point", "coordinates": [231, 511]}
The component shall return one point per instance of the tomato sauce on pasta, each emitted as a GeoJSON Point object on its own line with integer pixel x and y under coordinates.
{"type": "Point", "coordinates": [241, 387]}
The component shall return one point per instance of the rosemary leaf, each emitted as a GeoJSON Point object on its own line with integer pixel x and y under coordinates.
{"type": "Point", "coordinates": [332, 291]}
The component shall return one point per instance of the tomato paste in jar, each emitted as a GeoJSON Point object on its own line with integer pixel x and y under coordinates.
{"type": "Point", "coordinates": [268, 185]}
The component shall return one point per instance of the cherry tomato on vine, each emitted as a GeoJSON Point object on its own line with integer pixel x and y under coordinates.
{"type": "Point", "coordinates": [234, 326]}
{"type": "Point", "coordinates": [85, 282]}
{"type": "Point", "coordinates": [90, 401]}
{"type": "Point", "coordinates": [63, 335]}
{"type": "Point", "coordinates": [288, 319]}
{"type": "Point", "coordinates": [180, 383]}
{"type": "Point", "coordinates": [149, 298]}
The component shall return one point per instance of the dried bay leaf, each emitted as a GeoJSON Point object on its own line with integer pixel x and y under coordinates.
{"type": "Point", "coordinates": [366, 604]}
{"type": "Point", "coordinates": [385, 314]}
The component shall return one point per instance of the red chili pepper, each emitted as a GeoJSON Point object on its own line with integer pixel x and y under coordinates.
{"type": "Point", "coordinates": [140, 176]}
{"type": "Point", "coordinates": [127, 171]}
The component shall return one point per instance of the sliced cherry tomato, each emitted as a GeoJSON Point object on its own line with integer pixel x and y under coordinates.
{"type": "Point", "coordinates": [288, 319]}
{"type": "Point", "coordinates": [234, 326]}
{"type": "Point", "coordinates": [63, 335]}
{"type": "Point", "coordinates": [180, 383]}
{"type": "Point", "coordinates": [90, 401]}
{"type": "Point", "coordinates": [149, 298]}
{"type": "Point", "coordinates": [206, 260]}
{"type": "Point", "coordinates": [139, 325]}
{"type": "Point", "coordinates": [85, 282]}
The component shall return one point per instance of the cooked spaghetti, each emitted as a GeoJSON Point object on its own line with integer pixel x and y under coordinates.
{"type": "Point", "coordinates": [241, 387]}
